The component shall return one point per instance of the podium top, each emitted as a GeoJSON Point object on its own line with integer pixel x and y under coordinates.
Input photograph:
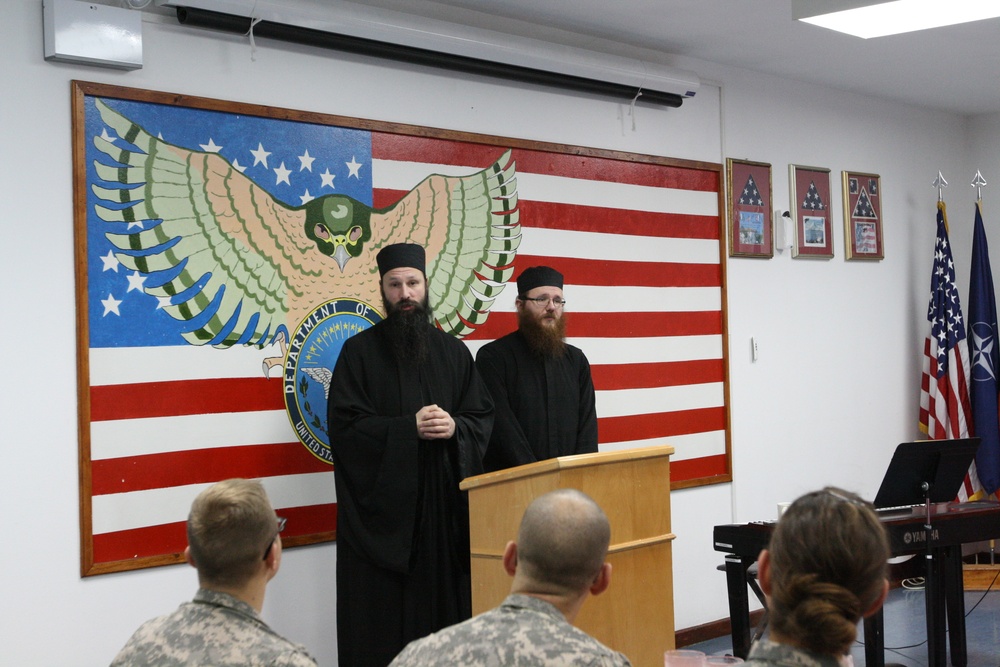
{"type": "Point", "coordinates": [565, 463]}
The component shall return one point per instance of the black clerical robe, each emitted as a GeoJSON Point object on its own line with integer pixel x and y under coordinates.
{"type": "Point", "coordinates": [544, 408]}
{"type": "Point", "coordinates": [402, 522]}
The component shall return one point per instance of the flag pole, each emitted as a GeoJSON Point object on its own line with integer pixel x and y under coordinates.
{"type": "Point", "coordinates": [940, 184]}
{"type": "Point", "coordinates": [978, 182]}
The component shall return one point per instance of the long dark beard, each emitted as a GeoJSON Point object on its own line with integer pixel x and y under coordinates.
{"type": "Point", "coordinates": [542, 340]}
{"type": "Point", "coordinates": [408, 331]}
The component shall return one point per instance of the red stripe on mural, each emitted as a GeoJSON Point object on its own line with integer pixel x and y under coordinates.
{"type": "Point", "coordinates": [171, 538]}
{"type": "Point", "coordinates": [184, 397]}
{"type": "Point", "coordinates": [699, 468]}
{"type": "Point", "coordinates": [620, 273]}
{"type": "Point", "coordinates": [387, 146]}
{"type": "Point", "coordinates": [200, 466]}
{"type": "Point", "coordinates": [660, 424]}
{"type": "Point", "coordinates": [608, 377]}
{"type": "Point", "coordinates": [618, 325]}
{"type": "Point", "coordinates": [570, 217]}
{"type": "Point", "coordinates": [573, 218]}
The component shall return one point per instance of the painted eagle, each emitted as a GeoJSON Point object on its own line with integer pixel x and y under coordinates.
{"type": "Point", "coordinates": [224, 250]}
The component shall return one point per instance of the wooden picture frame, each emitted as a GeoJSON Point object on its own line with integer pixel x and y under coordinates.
{"type": "Point", "coordinates": [173, 394]}
{"type": "Point", "coordinates": [809, 194]}
{"type": "Point", "coordinates": [862, 215]}
{"type": "Point", "coordinates": [749, 224]}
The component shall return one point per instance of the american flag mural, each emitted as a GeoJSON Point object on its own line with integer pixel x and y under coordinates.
{"type": "Point", "coordinates": [637, 239]}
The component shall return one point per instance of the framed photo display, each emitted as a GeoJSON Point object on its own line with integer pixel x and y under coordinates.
{"type": "Point", "coordinates": [862, 215]}
{"type": "Point", "coordinates": [748, 207]}
{"type": "Point", "coordinates": [810, 206]}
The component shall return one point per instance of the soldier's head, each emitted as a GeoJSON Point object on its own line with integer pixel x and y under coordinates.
{"type": "Point", "coordinates": [541, 309]}
{"type": "Point", "coordinates": [561, 544]}
{"type": "Point", "coordinates": [824, 570]}
{"type": "Point", "coordinates": [233, 534]}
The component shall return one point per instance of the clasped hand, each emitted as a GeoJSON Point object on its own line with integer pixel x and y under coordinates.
{"type": "Point", "coordinates": [433, 423]}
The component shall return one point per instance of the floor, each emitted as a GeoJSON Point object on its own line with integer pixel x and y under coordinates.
{"type": "Point", "coordinates": [906, 635]}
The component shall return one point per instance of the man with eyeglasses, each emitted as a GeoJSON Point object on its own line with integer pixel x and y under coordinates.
{"type": "Point", "coordinates": [234, 542]}
{"type": "Point", "coordinates": [541, 386]}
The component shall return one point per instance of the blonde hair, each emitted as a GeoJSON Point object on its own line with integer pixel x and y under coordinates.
{"type": "Point", "coordinates": [229, 528]}
{"type": "Point", "coordinates": [828, 567]}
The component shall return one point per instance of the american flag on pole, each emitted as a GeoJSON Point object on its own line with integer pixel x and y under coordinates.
{"type": "Point", "coordinates": [945, 409]}
{"type": "Point", "coordinates": [638, 241]}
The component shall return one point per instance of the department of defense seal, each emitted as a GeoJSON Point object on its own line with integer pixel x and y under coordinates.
{"type": "Point", "coordinates": [312, 354]}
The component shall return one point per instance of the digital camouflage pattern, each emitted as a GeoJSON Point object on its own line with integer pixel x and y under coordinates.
{"type": "Point", "coordinates": [214, 629]}
{"type": "Point", "coordinates": [766, 653]}
{"type": "Point", "coordinates": [524, 631]}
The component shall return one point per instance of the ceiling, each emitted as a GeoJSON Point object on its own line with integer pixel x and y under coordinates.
{"type": "Point", "coordinates": [955, 68]}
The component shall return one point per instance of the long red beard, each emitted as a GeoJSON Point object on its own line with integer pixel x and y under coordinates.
{"type": "Point", "coordinates": [543, 340]}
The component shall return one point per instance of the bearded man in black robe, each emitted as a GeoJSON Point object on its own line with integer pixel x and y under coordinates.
{"type": "Point", "coordinates": [541, 385]}
{"type": "Point", "coordinates": [409, 418]}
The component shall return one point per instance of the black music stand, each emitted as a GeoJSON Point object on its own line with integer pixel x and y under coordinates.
{"type": "Point", "coordinates": [926, 472]}
{"type": "Point", "coordinates": [938, 465]}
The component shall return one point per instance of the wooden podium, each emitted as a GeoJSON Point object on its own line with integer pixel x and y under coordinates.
{"type": "Point", "coordinates": [636, 614]}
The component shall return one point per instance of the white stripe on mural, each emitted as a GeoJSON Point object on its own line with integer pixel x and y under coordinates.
{"type": "Point", "coordinates": [627, 402]}
{"type": "Point", "coordinates": [159, 435]}
{"type": "Point", "coordinates": [543, 242]}
{"type": "Point", "coordinates": [137, 509]}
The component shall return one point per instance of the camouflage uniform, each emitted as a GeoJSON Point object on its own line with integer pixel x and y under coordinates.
{"type": "Point", "coordinates": [771, 654]}
{"type": "Point", "coordinates": [215, 629]}
{"type": "Point", "coordinates": [523, 631]}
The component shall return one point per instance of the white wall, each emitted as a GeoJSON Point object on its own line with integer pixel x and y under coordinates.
{"type": "Point", "coordinates": [834, 389]}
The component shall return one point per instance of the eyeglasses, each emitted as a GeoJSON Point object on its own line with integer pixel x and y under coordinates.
{"type": "Point", "coordinates": [281, 526]}
{"type": "Point", "coordinates": [556, 301]}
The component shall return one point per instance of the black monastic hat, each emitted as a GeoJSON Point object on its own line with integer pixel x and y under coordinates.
{"type": "Point", "coordinates": [538, 276]}
{"type": "Point", "coordinates": [399, 255]}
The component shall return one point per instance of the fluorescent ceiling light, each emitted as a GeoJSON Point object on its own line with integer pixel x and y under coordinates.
{"type": "Point", "coordinates": [893, 18]}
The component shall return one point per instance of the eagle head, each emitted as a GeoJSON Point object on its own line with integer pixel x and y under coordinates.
{"type": "Point", "coordinates": [339, 226]}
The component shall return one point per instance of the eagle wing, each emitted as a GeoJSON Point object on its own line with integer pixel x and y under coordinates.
{"type": "Point", "coordinates": [222, 253]}
{"type": "Point", "coordinates": [470, 228]}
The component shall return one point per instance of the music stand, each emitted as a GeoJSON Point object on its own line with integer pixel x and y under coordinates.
{"type": "Point", "coordinates": [940, 464]}
{"type": "Point", "coordinates": [927, 471]}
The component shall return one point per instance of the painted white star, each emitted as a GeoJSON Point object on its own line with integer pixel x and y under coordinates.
{"type": "Point", "coordinates": [111, 305]}
{"type": "Point", "coordinates": [353, 166]}
{"type": "Point", "coordinates": [135, 281]}
{"type": "Point", "coordinates": [306, 198]}
{"type": "Point", "coordinates": [327, 179]}
{"type": "Point", "coordinates": [162, 302]}
{"type": "Point", "coordinates": [136, 223]}
{"type": "Point", "coordinates": [238, 167]}
{"type": "Point", "coordinates": [260, 155]}
{"type": "Point", "coordinates": [210, 147]}
{"type": "Point", "coordinates": [282, 174]}
{"type": "Point", "coordinates": [306, 161]}
{"type": "Point", "coordinates": [111, 262]}
{"type": "Point", "coordinates": [106, 136]}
